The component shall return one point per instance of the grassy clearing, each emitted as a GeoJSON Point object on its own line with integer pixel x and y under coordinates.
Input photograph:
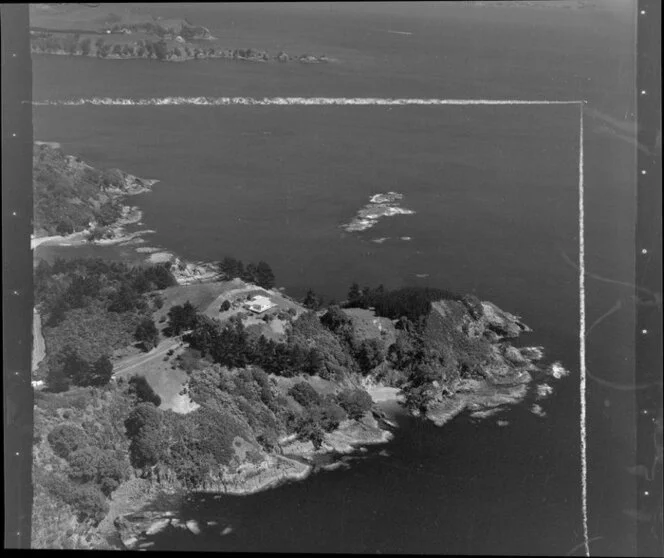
{"type": "Point", "coordinates": [367, 326]}
{"type": "Point", "coordinates": [201, 295]}
{"type": "Point", "coordinates": [163, 379]}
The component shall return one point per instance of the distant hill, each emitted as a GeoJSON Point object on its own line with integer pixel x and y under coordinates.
{"type": "Point", "coordinates": [101, 18]}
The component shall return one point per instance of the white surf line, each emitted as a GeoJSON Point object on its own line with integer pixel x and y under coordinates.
{"type": "Point", "coordinates": [582, 343]}
{"type": "Point", "coordinates": [291, 101]}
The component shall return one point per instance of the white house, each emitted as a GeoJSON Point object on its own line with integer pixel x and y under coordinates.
{"type": "Point", "coordinates": [259, 304]}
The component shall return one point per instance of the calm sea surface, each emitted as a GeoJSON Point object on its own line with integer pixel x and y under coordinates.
{"type": "Point", "coordinates": [494, 192]}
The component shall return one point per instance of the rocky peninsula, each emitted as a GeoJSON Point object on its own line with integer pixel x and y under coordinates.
{"type": "Point", "coordinates": [274, 394]}
{"type": "Point", "coordinates": [76, 203]}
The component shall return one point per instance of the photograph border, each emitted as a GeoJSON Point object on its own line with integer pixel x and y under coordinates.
{"type": "Point", "coordinates": [18, 292]}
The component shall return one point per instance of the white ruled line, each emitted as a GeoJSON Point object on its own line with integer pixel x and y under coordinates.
{"type": "Point", "coordinates": [290, 101]}
{"type": "Point", "coordinates": [373, 101]}
{"type": "Point", "coordinates": [582, 342]}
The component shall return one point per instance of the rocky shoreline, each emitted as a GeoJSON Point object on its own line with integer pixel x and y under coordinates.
{"type": "Point", "coordinates": [112, 234]}
{"type": "Point", "coordinates": [295, 461]}
{"type": "Point", "coordinates": [144, 507]}
{"type": "Point", "coordinates": [259, 57]}
{"type": "Point", "coordinates": [483, 399]}
{"type": "Point", "coordinates": [299, 459]}
{"type": "Point", "coordinates": [186, 273]}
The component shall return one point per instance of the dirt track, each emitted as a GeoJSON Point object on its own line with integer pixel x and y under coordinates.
{"type": "Point", "coordinates": [133, 362]}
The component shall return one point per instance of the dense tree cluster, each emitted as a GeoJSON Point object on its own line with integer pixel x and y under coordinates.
{"type": "Point", "coordinates": [355, 402]}
{"type": "Point", "coordinates": [87, 499]}
{"type": "Point", "coordinates": [73, 369]}
{"type": "Point", "coordinates": [369, 354]}
{"type": "Point", "coordinates": [304, 394]}
{"type": "Point", "coordinates": [187, 445]}
{"type": "Point", "coordinates": [260, 274]}
{"type": "Point", "coordinates": [147, 333]}
{"type": "Point", "coordinates": [230, 345]}
{"type": "Point", "coordinates": [410, 302]}
{"type": "Point", "coordinates": [66, 439]}
{"type": "Point", "coordinates": [77, 283]}
{"type": "Point", "coordinates": [181, 318]}
{"type": "Point", "coordinates": [141, 389]}
{"type": "Point", "coordinates": [336, 320]}
{"type": "Point", "coordinates": [104, 468]}
{"type": "Point", "coordinates": [93, 472]}
{"type": "Point", "coordinates": [92, 307]}
{"type": "Point", "coordinates": [321, 414]}
{"type": "Point", "coordinates": [312, 301]}
{"type": "Point", "coordinates": [55, 184]}
{"type": "Point", "coordinates": [314, 346]}
{"type": "Point", "coordinates": [146, 434]}
{"type": "Point", "coordinates": [88, 461]}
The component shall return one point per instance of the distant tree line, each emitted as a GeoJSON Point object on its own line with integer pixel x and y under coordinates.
{"type": "Point", "coordinates": [322, 346]}
{"type": "Point", "coordinates": [230, 344]}
{"type": "Point", "coordinates": [409, 302]}
{"type": "Point", "coordinates": [160, 49]}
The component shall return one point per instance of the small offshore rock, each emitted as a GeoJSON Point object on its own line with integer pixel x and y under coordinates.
{"type": "Point", "coordinates": [537, 410]}
{"type": "Point", "coordinates": [157, 526]}
{"type": "Point", "coordinates": [544, 390]}
{"type": "Point", "coordinates": [193, 526]}
{"type": "Point", "coordinates": [557, 371]}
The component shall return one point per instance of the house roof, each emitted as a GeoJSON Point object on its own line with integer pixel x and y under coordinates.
{"type": "Point", "coordinates": [260, 303]}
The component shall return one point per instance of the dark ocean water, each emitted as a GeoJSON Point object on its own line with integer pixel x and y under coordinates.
{"type": "Point", "coordinates": [495, 196]}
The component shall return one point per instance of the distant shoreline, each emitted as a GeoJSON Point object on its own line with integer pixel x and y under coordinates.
{"type": "Point", "coordinates": [229, 55]}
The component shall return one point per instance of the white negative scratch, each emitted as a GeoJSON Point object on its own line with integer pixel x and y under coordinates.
{"type": "Point", "coordinates": [290, 101]}
{"type": "Point", "coordinates": [582, 343]}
